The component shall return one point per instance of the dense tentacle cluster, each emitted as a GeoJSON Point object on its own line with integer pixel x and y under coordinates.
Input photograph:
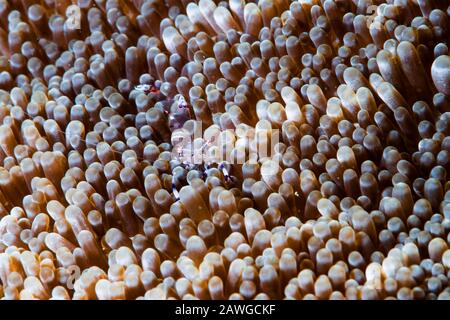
{"type": "Point", "coordinates": [353, 203]}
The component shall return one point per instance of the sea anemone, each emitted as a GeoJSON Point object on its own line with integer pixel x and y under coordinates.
{"type": "Point", "coordinates": [206, 149]}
